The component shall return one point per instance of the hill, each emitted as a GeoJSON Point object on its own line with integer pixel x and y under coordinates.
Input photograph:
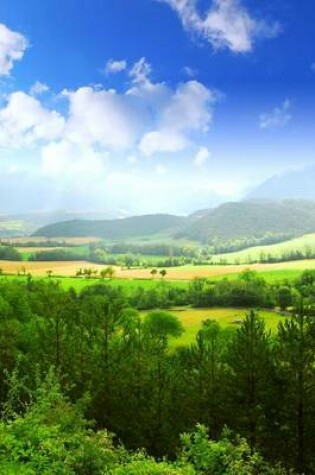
{"type": "Point", "coordinates": [229, 221]}
{"type": "Point", "coordinates": [15, 225]}
{"type": "Point", "coordinates": [133, 227]}
{"type": "Point", "coordinates": [247, 219]}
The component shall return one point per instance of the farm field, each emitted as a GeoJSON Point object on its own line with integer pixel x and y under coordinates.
{"type": "Point", "coordinates": [279, 271]}
{"type": "Point", "coordinates": [302, 244]}
{"type": "Point", "coordinates": [229, 318]}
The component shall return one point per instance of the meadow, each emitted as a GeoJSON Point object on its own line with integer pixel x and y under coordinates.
{"type": "Point", "coordinates": [303, 244]}
{"type": "Point", "coordinates": [228, 318]}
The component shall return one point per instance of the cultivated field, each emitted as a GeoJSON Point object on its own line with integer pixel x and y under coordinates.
{"type": "Point", "coordinates": [69, 268]}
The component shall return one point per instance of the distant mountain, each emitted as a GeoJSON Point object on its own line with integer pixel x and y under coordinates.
{"type": "Point", "coordinates": [245, 219]}
{"type": "Point", "coordinates": [226, 222]}
{"type": "Point", "coordinates": [132, 227]}
{"type": "Point", "coordinates": [290, 185]}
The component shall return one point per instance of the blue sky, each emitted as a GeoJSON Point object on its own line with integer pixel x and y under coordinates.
{"type": "Point", "coordinates": [152, 105]}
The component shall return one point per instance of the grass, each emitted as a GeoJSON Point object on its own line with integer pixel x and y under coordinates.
{"type": "Point", "coordinates": [192, 318]}
{"type": "Point", "coordinates": [272, 272]}
{"type": "Point", "coordinates": [302, 244]}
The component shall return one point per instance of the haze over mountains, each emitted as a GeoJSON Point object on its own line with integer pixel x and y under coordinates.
{"type": "Point", "coordinates": [283, 203]}
{"type": "Point", "coordinates": [228, 221]}
{"type": "Point", "coordinates": [293, 184]}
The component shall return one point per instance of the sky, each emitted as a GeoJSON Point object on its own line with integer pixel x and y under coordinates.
{"type": "Point", "coordinates": [144, 106]}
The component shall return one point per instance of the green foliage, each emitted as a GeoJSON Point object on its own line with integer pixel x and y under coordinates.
{"type": "Point", "coordinates": [52, 438]}
{"type": "Point", "coordinates": [144, 389]}
{"type": "Point", "coordinates": [113, 229]}
{"type": "Point", "coordinates": [224, 457]}
{"type": "Point", "coordinates": [9, 253]}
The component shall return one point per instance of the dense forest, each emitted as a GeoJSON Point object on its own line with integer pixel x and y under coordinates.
{"type": "Point", "coordinates": [67, 358]}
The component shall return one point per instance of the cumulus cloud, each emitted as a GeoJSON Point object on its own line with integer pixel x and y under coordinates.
{"type": "Point", "coordinates": [201, 156]}
{"type": "Point", "coordinates": [24, 121]}
{"type": "Point", "coordinates": [94, 127]}
{"type": "Point", "coordinates": [227, 24]}
{"type": "Point", "coordinates": [161, 141]}
{"type": "Point", "coordinates": [68, 159]}
{"type": "Point", "coordinates": [102, 117]}
{"type": "Point", "coordinates": [12, 48]}
{"type": "Point", "coordinates": [278, 117]}
{"type": "Point", "coordinates": [189, 110]}
{"type": "Point", "coordinates": [115, 66]}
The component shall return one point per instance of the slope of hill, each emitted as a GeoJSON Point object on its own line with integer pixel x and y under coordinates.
{"type": "Point", "coordinates": [22, 224]}
{"type": "Point", "coordinates": [246, 219]}
{"type": "Point", "coordinates": [227, 222]}
{"type": "Point", "coordinates": [135, 226]}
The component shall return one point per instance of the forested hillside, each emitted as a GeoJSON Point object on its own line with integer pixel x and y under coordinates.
{"type": "Point", "coordinates": [227, 222]}
{"type": "Point", "coordinates": [64, 354]}
{"type": "Point", "coordinates": [246, 219]}
{"type": "Point", "coordinates": [114, 229]}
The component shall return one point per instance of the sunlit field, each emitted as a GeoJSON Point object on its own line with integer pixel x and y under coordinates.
{"type": "Point", "coordinates": [302, 244]}
{"type": "Point", "coordinates": [228, 318]}
{"type": "Point", "coordinates": [278, 271]}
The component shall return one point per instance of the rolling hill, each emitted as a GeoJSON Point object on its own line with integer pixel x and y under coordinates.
{"type": "Point", "coordinates": [226, 222]}
{"type": "Point", "coordinates": [250, 218]}
{"type": "Point", "coordinates": [132, 227]}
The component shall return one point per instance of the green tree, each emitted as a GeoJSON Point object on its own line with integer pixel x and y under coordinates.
{"type": "Point", "coordinates": [250, 364]}
{"type": "Point", "coordinates": [296, 362]}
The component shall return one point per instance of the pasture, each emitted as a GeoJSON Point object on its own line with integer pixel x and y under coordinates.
{"type": "Point", "coordinates": [228, 318]}
{"type": "Point", "coordinates": [304, 244]}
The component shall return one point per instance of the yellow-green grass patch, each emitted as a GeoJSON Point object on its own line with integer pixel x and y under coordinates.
{"type": "Point", "coordinates": [228, 318]}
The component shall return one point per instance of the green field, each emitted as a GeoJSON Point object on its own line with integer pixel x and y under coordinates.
{"type": "Point", "coordinates": [303, 244]}
{"type": "Point", "coordinates": [229, 318]}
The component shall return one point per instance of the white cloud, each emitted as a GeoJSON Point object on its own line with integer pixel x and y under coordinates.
{"type": "Point", "coordinates": [201, 156]}
{"type": "Point", "coordinates": [162, 142]}
{"type": "Point", "coordinates": [38, 88]}
{"type": "Point", "coordinates": [189, 108]}
{"type": "Point", "coordinates": [102, 117]}
{"type": "Point", "coordinates": [140, 71]}
{"type": "Point", "coordinates": [115, 66]}
{"type": "Point", "coordinates": [132, 159]}
{"type": "Point", "coordinates": [12, 48]}
{"type": "Point", "coordinates": [279, 117]}
{"type": "Point", "coordinates": [227, 24]}
{"type": "Point", "coordinates": [66, 159]}
{"type": "Point", "coordinates": [24, 121]}
{"type": "Point", "coordinates": [160, 169]}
